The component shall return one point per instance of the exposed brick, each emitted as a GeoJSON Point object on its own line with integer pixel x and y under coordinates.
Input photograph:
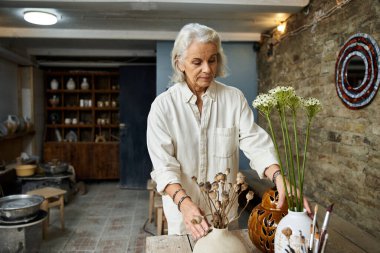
{"type": "Point", "coordinates": [343, 157]}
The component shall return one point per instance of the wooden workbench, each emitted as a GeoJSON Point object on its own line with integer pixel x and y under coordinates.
{"type": "Point", "coordinates": [184, 243]}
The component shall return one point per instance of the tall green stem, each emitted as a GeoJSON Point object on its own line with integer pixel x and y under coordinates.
{"type": "Point", "coordinates": [279, 158]}
{"type": "Point", "coordinates": [305, 154]}
{"type": "Point", "coordinates": [292, 176]}
{"type": "Point", "coordinates": [300, 180]}
{"type": "Point", "coordinates": [282, 124]}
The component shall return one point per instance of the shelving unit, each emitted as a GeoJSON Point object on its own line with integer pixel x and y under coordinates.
{"type": "Point", "coordinates": [84, 112]}
{"type": "Point", "coordinates": [82, 121]}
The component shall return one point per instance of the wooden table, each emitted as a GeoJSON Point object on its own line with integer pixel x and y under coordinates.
{"type": "Point", "coordinates": [184, 243]}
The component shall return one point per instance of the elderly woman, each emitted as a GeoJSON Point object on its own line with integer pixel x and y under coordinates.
{"type": "Point", "coordinates": [196, 128]}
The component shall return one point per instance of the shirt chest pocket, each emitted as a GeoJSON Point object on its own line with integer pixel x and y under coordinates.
{"type": "Point", "coordinates": [225, 142]}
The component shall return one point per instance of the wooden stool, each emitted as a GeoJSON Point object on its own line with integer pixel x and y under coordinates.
{"type": "Point", "coordinates": [53, 197]}
{"type": "Point", "coordinates": [160, 216]}
{"type": "Point", "coordinates": [151, 187]}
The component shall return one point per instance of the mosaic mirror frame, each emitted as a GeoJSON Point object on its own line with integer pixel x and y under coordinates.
{"type": "Point", "coordinates": [357, 75]}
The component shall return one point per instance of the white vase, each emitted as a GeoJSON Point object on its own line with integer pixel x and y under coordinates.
{"type": "Point", "coordinates": [293, 233]}
{"type": "Point", "coordinates": [70, 85]}
{"type": "Point", "coordinates": [84, 85]}
{"type": "Point", "coordinates": [219, 241]}
{"type": "Point", "coordinates": [54, 84]}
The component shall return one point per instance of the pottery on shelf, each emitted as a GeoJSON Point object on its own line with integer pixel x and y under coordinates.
{"type": "Point", "coordinates": [71, 136]}
{"type": "Point", "coordinates": [54, 84]}
{"type": "Point", "coordinates": [263, 221]}
{"type": "Point", "coordinates": [11, 123]}
{"type": "Point", "coordinates": [293, 233]}
{"type": "Point", "coordinates": [70, 85]}
{"type": "Point", "coordinates": [84, 85]}
{"type": "Point", "coordinates": [219, 241]}
{"type": "Point", "coordinates": [54, 101]}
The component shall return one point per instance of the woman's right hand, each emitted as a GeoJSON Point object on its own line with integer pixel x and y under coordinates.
{"type": "Point", "coordinates": [194, 219]}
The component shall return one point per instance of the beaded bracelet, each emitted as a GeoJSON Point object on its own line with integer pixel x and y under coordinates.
{"type": "Point", "coordinates": [181, 200]}
{"type": "Point", "coordinates": [176, 192]}
{"type": "Point", "coordinates": [275, 174]}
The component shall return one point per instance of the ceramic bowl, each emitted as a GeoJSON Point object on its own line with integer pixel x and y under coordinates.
{"type": "Point", "coordinates": [25, 170]}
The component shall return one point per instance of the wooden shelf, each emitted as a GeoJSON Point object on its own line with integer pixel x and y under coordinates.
{"type": "Point", "coordinates": [17, 135]}
{"type": "Point", "coordinates": [91, 160]}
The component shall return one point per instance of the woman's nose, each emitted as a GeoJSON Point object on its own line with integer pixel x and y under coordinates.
{"type": "Point", "coordinates": [206, 67]}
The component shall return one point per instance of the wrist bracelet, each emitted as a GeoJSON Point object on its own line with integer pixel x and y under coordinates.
{"type": "Point", "coordinates": [181, 200]}
{"type": "Point", "coordinates": [275, 174]}
{"type": "Point", "coordinates": [177, 191]}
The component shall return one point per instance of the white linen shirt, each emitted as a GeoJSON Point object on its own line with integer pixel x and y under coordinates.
{"type": "Point", "coordinates": [183, 143]}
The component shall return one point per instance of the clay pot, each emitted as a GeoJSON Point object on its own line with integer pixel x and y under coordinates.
{"type": "Point", "coordinates": [263, 221]}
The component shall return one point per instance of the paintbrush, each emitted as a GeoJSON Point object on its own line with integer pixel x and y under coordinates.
{"type": "Point", "coordinates": [324, 226]}
{"type": "Point", "coordinates": [316, 243]}
{"type": "Point", "coordinates": [312, 234]}
{"type": "Point", "coordinates": [324, 243]}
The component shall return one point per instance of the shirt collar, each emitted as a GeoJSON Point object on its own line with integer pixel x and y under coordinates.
{"type": "Point", "coordinates": [187, 94]}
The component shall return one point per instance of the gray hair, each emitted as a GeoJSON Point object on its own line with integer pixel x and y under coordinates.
{"type": "Point", "coordinates": [196, 32]}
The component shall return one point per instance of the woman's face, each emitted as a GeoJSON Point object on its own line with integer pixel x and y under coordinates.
{"type": "Point", "coordinates": [200, 65]}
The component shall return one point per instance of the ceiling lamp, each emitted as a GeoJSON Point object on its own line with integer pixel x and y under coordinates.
{"type": "Point", "coordinates": [40, 18]}
{"type": "Point", "coordinates": [281, 27]}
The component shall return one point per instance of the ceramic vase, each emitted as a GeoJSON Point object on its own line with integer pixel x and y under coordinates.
{"type": "Point", "coordinates": [84, 85]}
{"type": "Point", "coordinates": [219, 241]}
{"type": "Point", "coordinates": [54, 84]}
{"type": "Point", "coordinates": [293, 233]}
{"type": "Point", "coordinates": [263, 221]}
{"type": "Point", "coordinates": [11, 124]}
{"type": "Point", "coordinates": [70, 85]}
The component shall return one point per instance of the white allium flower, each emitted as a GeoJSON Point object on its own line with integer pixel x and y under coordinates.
{"type": "Point", "coordinates": [264, 103]}
{"type": "Point", "coordinates": [282, 94]}
{"type": "Point", "coordinates": [312, 106]}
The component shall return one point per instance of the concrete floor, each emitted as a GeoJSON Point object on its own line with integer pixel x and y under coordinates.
{"type": "Point", "coordinates": [110, 219]}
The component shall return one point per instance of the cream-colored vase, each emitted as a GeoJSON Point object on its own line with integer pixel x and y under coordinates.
{"type": "Point", "coordinates": [293, 233]}
{"type": "Point", "coordinates": [219, 241]}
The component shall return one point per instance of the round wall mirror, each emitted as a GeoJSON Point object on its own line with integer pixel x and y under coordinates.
{"type": "Point", "coordinates": [355, 71]}
{"type": "Point", "coordinates": [357, 75]}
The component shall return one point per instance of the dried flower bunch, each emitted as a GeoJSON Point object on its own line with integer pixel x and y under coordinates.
{"type": "Point", "coordinates": [220, 197]}
{"type": "Point", "coordinates": [285, 101]}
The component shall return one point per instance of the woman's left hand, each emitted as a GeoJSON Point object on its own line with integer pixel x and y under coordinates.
{"type": "Point", "coordinates": [282, 198]}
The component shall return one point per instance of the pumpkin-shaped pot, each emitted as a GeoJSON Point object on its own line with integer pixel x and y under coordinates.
{"type": "Point", "coordinates": [263, 221]}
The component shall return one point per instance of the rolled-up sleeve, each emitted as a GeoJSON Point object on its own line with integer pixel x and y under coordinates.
{"type": "Point", "coordinates": [161, 150]}
{"type": "Point", "coordinates": [255, 142]}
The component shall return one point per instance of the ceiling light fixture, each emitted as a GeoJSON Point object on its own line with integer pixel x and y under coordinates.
{"type": "Point", "coordinates": [281, 27]}
{"type": "Point", "coordinates": [40, 18]}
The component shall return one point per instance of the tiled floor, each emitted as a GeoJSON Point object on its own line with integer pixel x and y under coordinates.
{"type": "Point", "coordinates": [111, 220]}
{"type": "Point", "coordinates": [106, 219]}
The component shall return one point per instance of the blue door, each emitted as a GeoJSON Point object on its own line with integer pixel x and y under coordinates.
{"type": "Point", "coordinates": [137, 92]}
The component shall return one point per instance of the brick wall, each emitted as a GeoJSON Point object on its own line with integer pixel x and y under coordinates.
{"type": "Point", "coordinates": [344, 153]}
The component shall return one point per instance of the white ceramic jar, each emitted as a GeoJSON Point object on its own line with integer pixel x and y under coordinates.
{"type": "Point", "coordinates": [70, 85]}
{"type": "Point", "coordinates": [84, 85]}
{"type": "Point", "coordinates": [54, 84]}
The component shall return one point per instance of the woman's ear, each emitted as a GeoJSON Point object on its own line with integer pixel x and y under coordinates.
{"type": "Point", "coordinates": [180, 66]}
